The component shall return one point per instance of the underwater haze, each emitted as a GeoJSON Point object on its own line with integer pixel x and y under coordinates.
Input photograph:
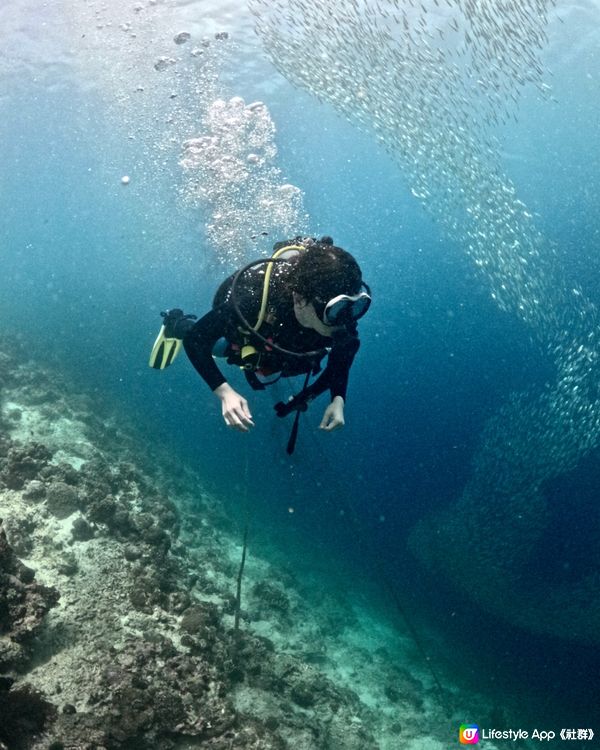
{"type": "Point", "coordinates": [151, 148]}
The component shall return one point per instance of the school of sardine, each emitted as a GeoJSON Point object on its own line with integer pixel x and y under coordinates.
{"type": "Point", "coordinates": [435, 80]}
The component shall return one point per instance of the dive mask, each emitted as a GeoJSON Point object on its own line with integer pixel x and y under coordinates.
{"type": "Point", "coordinates": [346, 308]}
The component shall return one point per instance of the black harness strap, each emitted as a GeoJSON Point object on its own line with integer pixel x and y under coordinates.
{"type": "Point", "coordinates": [294, 433]}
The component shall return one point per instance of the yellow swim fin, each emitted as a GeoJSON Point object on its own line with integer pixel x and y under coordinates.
{"type": "Point", "coordinates": [164, 351]}
{"type": "Point", "coordinates": [170, 338]}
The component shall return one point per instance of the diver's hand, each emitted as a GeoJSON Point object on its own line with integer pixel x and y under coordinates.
{"type": "Point", "coordinates": [333, 418]}
{"type": "Point", "coordinates": [234, 408]}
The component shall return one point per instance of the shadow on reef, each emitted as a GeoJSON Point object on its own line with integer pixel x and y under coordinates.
{"type": "Point", "coordinates": [24, 713]}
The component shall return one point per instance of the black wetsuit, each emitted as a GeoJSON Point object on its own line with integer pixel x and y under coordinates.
{"type": "Point", "coordinates": [280, 326]}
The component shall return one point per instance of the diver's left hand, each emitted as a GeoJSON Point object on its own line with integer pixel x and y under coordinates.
{"type": "Point", "coordinates": [333, 418]}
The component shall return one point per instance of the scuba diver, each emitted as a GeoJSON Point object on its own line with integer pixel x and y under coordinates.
{"type": "Point", "coordinates": [277, 317]}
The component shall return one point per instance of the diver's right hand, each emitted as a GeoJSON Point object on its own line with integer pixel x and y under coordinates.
{"type": "Point", "coordinates": [234, 408]}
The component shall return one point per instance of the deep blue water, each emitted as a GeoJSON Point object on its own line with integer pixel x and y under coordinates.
{"type": "Point", "coordinates": [88, 264]}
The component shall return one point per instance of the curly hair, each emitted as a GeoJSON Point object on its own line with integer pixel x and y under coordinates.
{"type": "Point", "coordinates": [324, 271]}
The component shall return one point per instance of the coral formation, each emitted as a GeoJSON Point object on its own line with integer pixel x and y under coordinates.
{"type": "Point", "coordinates": [23, 605]}
{"type": "Point", "coordinates": [23, 462]}
{"type": "Point", "coordinates": [24, 714]}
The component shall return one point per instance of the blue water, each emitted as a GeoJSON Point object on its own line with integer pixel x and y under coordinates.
{"type": "Point", "coordinates": [87, 265]}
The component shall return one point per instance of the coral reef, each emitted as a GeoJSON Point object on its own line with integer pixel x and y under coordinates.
{"type": "Point", "coordinates": [139, 649]}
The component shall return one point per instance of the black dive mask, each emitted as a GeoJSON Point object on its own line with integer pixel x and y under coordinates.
{"type": "Point", "coordinates": [343, 309]}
